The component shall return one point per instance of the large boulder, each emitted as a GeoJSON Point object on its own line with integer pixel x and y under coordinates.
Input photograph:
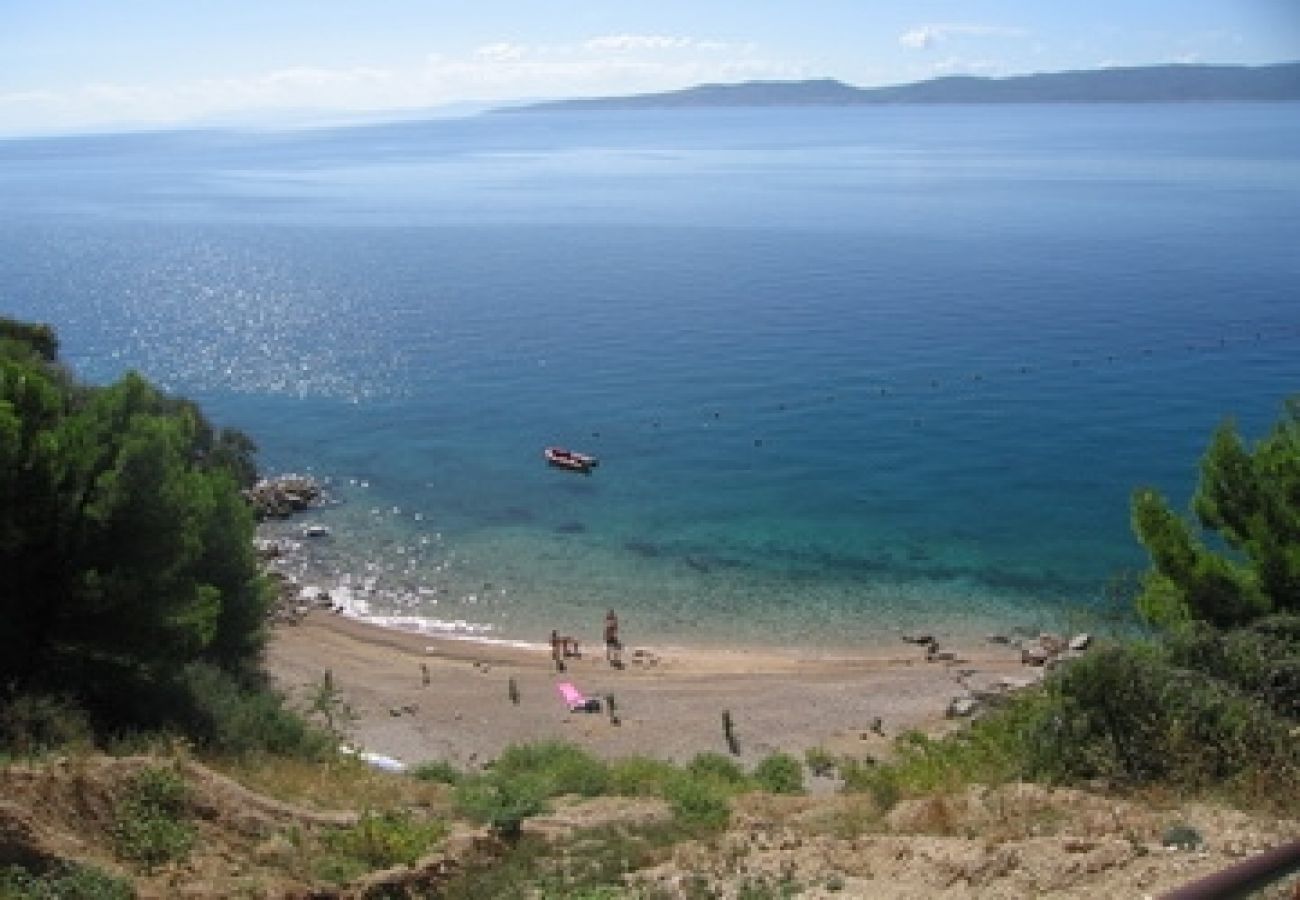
{"type": "Point", "coordinates": [283, 495]}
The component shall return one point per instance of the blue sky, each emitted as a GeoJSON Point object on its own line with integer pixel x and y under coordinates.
{"type": "Point", "coordinates": [94, 64]}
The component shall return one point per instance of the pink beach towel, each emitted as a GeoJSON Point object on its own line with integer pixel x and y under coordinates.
{"type": "Point", "coordinates": [572, 696]}
{"type": "Point", "coordinates": [574, 700]}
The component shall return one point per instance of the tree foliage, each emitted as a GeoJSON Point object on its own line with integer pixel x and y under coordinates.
{"type": "Point", "coordinates": [39, 338]}
{"type": "Point", "coordinates": [1244, 560]}
{"type": "Point", "coordinates": [125, 548]}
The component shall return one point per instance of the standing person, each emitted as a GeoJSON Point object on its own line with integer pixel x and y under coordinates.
{"type": "Point", "coordinates": [613, 647]}
{"type": "Point", "coordinates": [557, 651]}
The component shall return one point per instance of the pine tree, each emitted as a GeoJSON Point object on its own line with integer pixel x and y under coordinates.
{"type": "Point", "coordinates": [125, 548]}
{"type": "Point", "coordinates": [1248, 500]}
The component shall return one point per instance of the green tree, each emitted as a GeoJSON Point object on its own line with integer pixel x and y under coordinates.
{"type": "Point", "coordinates": [1248, 500]}
{"type": "Point", "coordinates": [125, 546]}
{"type": "Point", "coordinates": [40, 338]}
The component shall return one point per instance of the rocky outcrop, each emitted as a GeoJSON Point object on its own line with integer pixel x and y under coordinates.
{"type": "Point", "coordinates": [283, 495]}
{"type": "Point", "coordinates": [1050, 650]}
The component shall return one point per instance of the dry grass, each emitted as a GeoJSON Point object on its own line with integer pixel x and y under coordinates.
{"type": "Point", "coordinates": [844, 817]}
{"type": "Point", "coordinates": [341, 784]}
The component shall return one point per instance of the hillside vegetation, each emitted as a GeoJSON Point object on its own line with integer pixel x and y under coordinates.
{"type": "Point", "coordinates": [131, 598]}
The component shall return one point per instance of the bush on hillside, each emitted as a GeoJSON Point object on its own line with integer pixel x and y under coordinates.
{"type": "Point", "coordinates": [779, 773]}
{"type": "Point", "coordinates": [1127, 713]}
{"type": "Point", "coordinates": [64, 881]}
{"type": "Point", "coordinates": [378, 841]}
{"type": "Point", "coordinates": [36, 723]}
{"type": "Point", "coordinates": [718, 768]}
{"type": "Point", "coordinates": [224, 714]}
{"type": "Point", "coordinates": [151, 822]}
{"type": "Point", "coordinates": [502, 802]}
{"type": "Point", "coordinates": [563, 768]}
{"type": "Point", "coordinates": [1261, 660]}
{"type": "Point", "coordinates": [640, 776]}
{"type": "Point", "coordinates": [438, 771]}
{"type": "Point", "coordinates": [699, 804]}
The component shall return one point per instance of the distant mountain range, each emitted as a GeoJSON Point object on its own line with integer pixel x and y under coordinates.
{"type": "Point", "coordinates": [1143, 84]}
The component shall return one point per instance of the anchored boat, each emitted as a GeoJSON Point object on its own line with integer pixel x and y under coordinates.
{"type": "Point", "coordinates": [570, 459]}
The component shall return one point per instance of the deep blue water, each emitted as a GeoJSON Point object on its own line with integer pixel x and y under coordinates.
{"type": "Point", "coordinates": [847, 370]}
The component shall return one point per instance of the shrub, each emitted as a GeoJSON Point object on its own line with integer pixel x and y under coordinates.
{"type": "Point", "coordinates": [564, 768]}
{"type": "Point", "coordinates": [37, 723]}
{"type": "Point", "coordinates": [879, 782]}
{"type": "Point", "coordinates": [699, 804]}
{"type": "Point", "coordinates": [225, 716]}
{"type": "Point", "coordinates": [718, 768]}
{"type": "Point", "coordinates": [592, 864]}
{"type": "Point", "coordinates": [150, 824]}
{"type": "Point", "coordinates": [379, 841]}
{"type": "Point", "coordinates": [640, 776]}
{"type": "Point", "coordinates": [768, 887]}
{"type": "Point", "coordinates": [325, 700]}
{"type": "Point", "coordinates": [1261, 660]}
{"type": "Point", "coordinates": [502, 801]}
{"type": "Point", "coordinates": [780, 773]}
{"type": "Point", "coordinates": [1125, 712]}
{"type": "Point", "coordinates": [65, 881]}
{"type": "Point", "coordinates": [438, 771]}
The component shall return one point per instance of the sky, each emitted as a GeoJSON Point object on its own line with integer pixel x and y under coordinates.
{"type": "Point", "coordinates": [71, 65]}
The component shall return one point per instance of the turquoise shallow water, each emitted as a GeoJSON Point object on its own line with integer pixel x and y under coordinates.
{"type": "Point", "coordinates": [847, 371]}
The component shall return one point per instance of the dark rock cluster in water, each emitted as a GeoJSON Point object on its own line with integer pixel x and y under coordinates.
{"type": "Point", "coordinates": [283, 495]}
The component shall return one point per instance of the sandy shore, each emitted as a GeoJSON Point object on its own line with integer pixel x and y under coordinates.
{"type": "Point", "coordinates": [670, 702]}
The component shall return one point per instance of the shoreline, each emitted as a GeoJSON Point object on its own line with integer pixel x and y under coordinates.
{"type": "Point", "coordinates": [669, 699]}
{"type": "Point", "coordinates": [440, 609]}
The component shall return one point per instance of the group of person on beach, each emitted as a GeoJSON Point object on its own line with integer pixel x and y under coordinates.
{"type": "Point", "coordinates": [565, 646]}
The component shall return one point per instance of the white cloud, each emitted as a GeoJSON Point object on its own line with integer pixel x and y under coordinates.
{"type": "Point", "coordinates": [635, 42]}
{"type": "Point", "coordinates": [954, 65]}
{"type": "Point", "coordinates": [503, 51]}
{"type": "Point", "coordinates": [491, 73]}
{"type": "Point", "coordinates": [924, 36]}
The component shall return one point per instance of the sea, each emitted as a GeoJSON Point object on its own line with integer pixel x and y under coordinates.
{"type": "Point", "coordinates": [849, 371]}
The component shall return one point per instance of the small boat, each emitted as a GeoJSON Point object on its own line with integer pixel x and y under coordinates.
{"type": "Point", "coordinates": [569, 459]}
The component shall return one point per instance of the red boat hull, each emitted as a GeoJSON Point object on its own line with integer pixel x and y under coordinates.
{"type": "Point", "coordinates": [567, 459]}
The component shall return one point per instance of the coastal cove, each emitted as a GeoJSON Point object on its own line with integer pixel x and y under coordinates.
{"type": "Point", "coordinates": [848, 373]}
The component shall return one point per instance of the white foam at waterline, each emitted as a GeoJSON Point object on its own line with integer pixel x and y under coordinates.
{"type": "Point", "coordinates": [425, 625]}
{"type": "Point", "coordinates": [456, 630]}
{"type": "Point", "coordinates": [348, 602]}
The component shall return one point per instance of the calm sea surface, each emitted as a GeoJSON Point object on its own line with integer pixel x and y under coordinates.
{"type": "Point", "coordinates": [848, 371]}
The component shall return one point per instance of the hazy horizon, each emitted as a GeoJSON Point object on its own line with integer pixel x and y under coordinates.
{"type": "Point", "coordinates": [73, 66]}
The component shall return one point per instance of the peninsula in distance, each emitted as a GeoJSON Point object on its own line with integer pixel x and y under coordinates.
{"type": "Point", "coordinates": [1175, 83]}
